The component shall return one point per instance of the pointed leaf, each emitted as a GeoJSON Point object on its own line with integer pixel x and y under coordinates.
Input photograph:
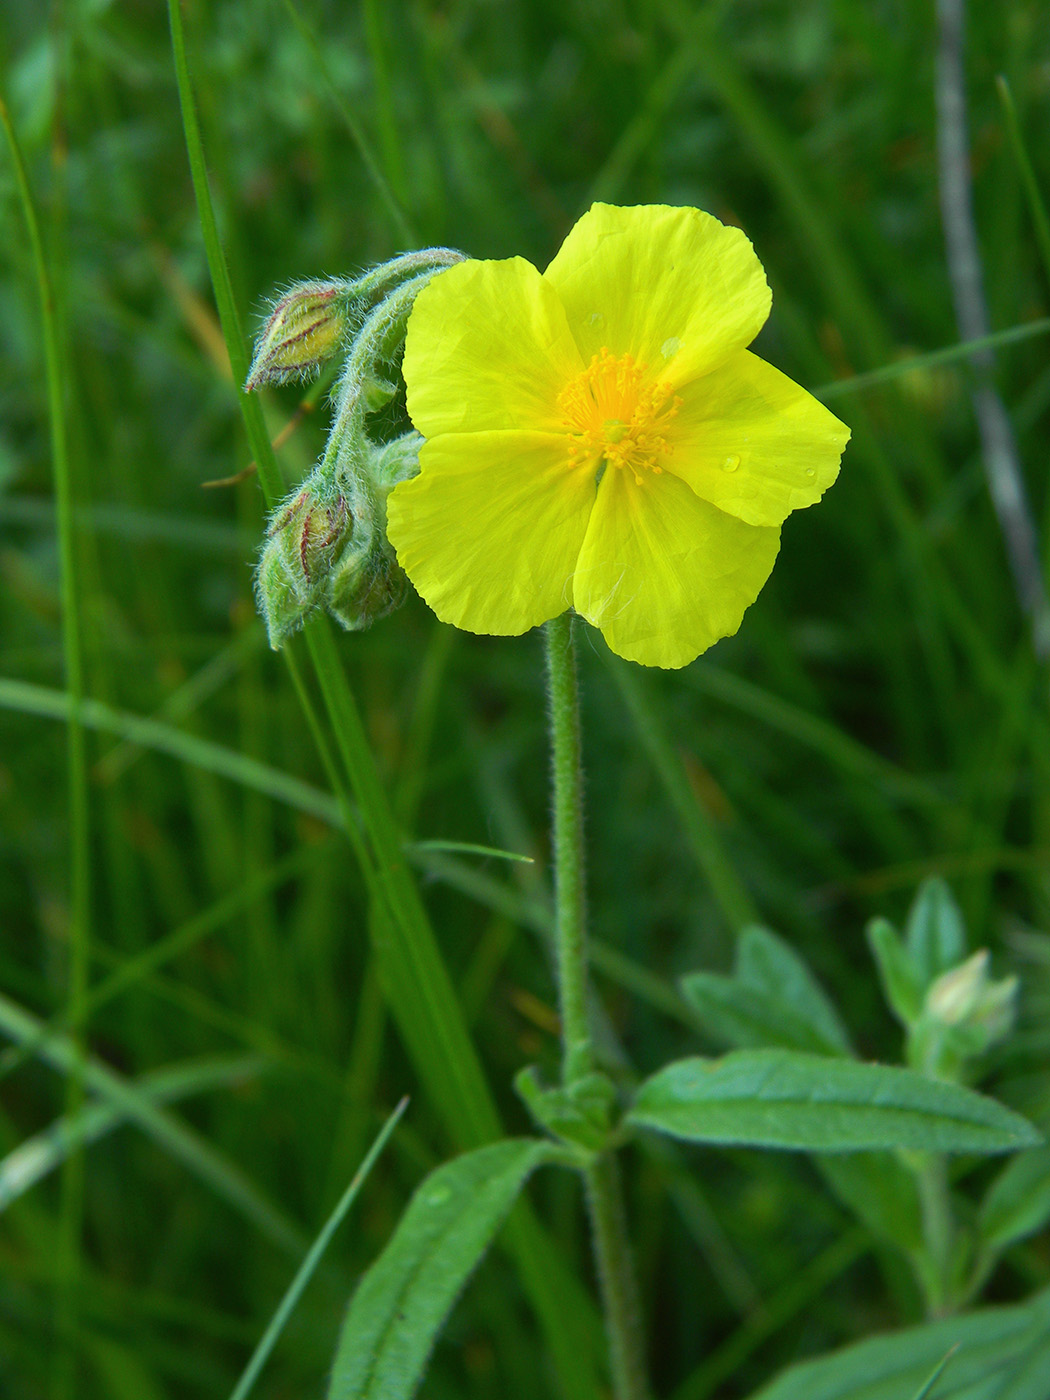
{"type": "Point", "coordinates": [768, 962]}
{"type": "Point", "coordinates": [745, 1016]}
{"type": "Point", "coordinates": [403, 1300]}
{"type": "Point", "coordinates": [1018, 1200]}
{"type": "Point", "coordinates": [785, 1098]}
{"type": "Point", "coordinates": [902, 985]}
{"type": "Point", "coordinates": [935, 934]}
{"type": "Point", "coordinates": [880, 1191]}
{"type": "Point", "coordinates": [1000, 1354]}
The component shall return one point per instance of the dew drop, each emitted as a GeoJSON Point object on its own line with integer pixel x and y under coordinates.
{"type": "Point", "coordinates": [596, 318]}
{"type": "Point", "coordinates": [671, 346]}
{"type": "Point", "coordinates": [811, 471]}
{"type": "Point", "coordinates": [731, 463]}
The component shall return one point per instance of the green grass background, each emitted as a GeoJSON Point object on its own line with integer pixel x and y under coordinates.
{"type": "Point", "coordinates": [879, 717]}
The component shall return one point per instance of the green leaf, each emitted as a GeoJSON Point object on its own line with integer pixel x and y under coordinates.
{"type": "Point", "coordinates": [1001, 1354]}
{"type": "Point", "coordinates": [935, 934]}
{"type": "Point", "coordinates": [902, 985]}
{"type": "Point", "coordinates": [743, 1016]}
{"type": "Point", "coordinates": [769, 963]}
{"type": "Point", "coordinates": [1018, 1200]}
{"type": "Point", "coordinates": [404, 1298]}
{"type": "Point", "coordinates": [880, 1191]}
{"type": "Point", "coordinates": [772, 999]}
{"type": "Point", "coordinates": [785, 1098]}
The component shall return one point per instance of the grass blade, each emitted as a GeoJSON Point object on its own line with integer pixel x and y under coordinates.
{"type": "Point", "coordinates": [32, 1159]}
{"type": "Point", "coordinates": [305, 1272]}
{"type": "Point", "coordinates": [67, 1263]}
{"type": "Point", "coordinates": [173, 1136]}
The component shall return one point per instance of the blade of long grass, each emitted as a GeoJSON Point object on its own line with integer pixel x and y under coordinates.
{"type": "Point", "coordinates": [197, 1006]}
{"type": "Point", "coordinates": [696, 28]}
{"type": "Point", "coordinates": [950, 355]}
{"type": "Point", "coordinates": [420, 990]}
{"type": "Point", "coordinates": [221, 667]}
{"type": "Point", "coordinates": [165, 738]}
{"type": "Point", "coordinates": [51, 314]}
{"type": "Point", "coordinates": [305, 1272]}
{"type": "Point", "coordinates": [728, 890]}
{"type": "Point", "coordinates": [1036, 206]}
{"type": "Point", "coordinates": [132, 970]}
{"type": "Point", "coordinates": [225, 1178]}
{"type": "Point", "coordinates": [386, 114]}
{"type": "Point", "coordinates": [471, 848]}
{"type": "Point", "coordinates": [397, 214]}
{"type": "Point", "coordinates": [40, 1154]}
{"type": "Point", "coordinates": [789, 1300]}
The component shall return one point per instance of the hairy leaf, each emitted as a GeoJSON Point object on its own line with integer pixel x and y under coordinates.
{"type": "Point", "coordinates": [768, 962]}
{"type": "Point", "coordinates": [1018, 1200]}
{"type": "Point", "coordinates": [785, 1098]}
{"type": "Point", "coordinates": [403, 1299]}
{"type": "Point", "coordinates": [743, 1016]}
{"type": "Point", "coordinates": [1001, 1354]}
{"type": "Point", "coordinates": [935, 934]}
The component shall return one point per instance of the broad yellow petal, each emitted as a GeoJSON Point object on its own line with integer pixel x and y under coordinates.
{"type": "Point", "coordinates": [488, 348]}
{"type": "Point", "coordinates": [490, 530]}
{"type": "Point", "coordinates": [675, 288]}
{"type": "Point", "coordinates": [665, 574]}
{"type": "Point", "coordinates": [751, 441]}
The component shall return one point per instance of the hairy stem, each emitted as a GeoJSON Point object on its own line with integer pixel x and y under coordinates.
{"type": "Point", "coordinates": [604, 1196]}
{"type": "Point", "coordinates": [938, 1229]}
{"type": "Point", "coordinates": [570, 907]}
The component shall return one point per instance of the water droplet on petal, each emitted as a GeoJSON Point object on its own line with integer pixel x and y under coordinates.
{"type": "Point", "coordinates": [731, 463]}
{"type": "Point", "coordinates": [595, 318]}
{"type": "Point", "coordinates": [671, 346]}
{"type": "Point", "coordinates": [811, 471]}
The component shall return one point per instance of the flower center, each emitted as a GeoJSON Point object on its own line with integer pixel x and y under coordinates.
{"type": "Point", "coordinates": [614, 411]}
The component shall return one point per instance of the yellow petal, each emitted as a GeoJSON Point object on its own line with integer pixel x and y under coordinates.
{"type": "Point", "coordinates": [665, 574]}
{"type": "Point", "coordinates": [751, 441]}
{"type": "Point", "coordinates": [490, 530]}
{"type": "Point", "coordinates": [675, 288]}
{"type": "Point", "coordinates": [488, 348]}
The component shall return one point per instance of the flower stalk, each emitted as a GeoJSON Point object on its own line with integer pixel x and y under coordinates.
{"type": "Point", "coordinates": [569, 893]}
{"type": "Point", "coordinates": [612, 1250]}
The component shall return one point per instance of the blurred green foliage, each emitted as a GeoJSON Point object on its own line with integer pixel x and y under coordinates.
{"type": "Point", "coordinates": [880, 716]}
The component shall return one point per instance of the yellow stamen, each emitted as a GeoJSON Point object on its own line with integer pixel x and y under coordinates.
{"type": "Point", "coordinates": [615, 413]}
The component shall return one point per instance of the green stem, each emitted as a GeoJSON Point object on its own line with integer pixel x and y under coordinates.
{"type": "Point", "coordinates": [612, 1253]}
{"type": "Point", "coordinates": [938, 1230]}
{"type": "Point", "coordinates": [604, 1197]}
{"type": "Point", "coordinates": [570, 911]}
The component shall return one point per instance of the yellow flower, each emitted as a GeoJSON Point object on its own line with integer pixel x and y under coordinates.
{"type": "Point", "coordinates": [598, 437]}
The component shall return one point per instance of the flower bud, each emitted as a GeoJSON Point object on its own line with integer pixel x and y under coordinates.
{"type": "Point", "coordinates": [364, 586]}
{"type": "Point", "coordinates": [970, 1010]}
{"type": "Point", "coordinates": [303, 331]}
{"type": "Point", "coordinates": [395, 462]}
{"type": "Point", "coordinates": [305, 538]}
{"type": "Point", "coordinates": [953, 996]}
